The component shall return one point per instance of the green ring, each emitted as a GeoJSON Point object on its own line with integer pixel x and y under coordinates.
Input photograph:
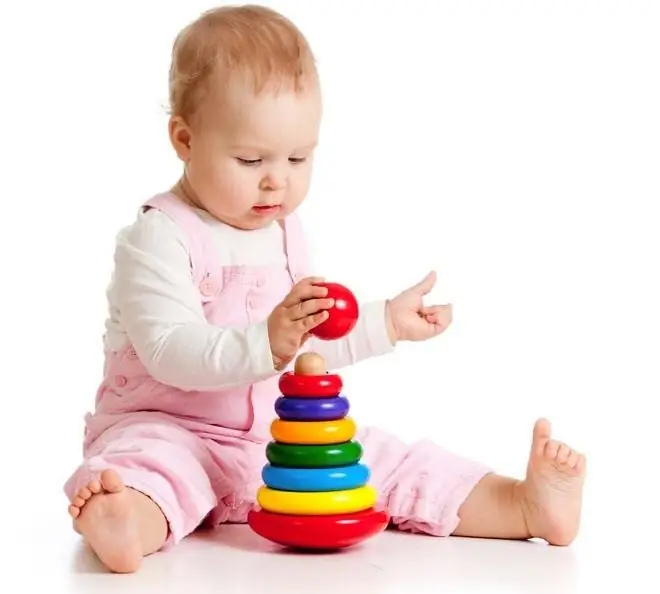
{"type": "Point", "coordinates": [313, 456]}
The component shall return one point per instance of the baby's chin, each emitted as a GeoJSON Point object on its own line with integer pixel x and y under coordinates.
{"type": "Point", "coordinates": [253, 221]}
{"type": "Point", "coordinates": [250, 220]}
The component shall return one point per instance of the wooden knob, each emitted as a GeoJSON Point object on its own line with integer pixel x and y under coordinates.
{"type": "Point", "coordinates": [310, 364]}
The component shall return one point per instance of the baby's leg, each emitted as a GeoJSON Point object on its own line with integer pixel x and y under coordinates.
{"type": "Point", "coordinates": [140, 486]}
{"type": "Point", "coordinates": [430, 490]}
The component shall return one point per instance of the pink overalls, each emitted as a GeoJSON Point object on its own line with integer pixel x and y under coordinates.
{"type": "Point", "coordinates": [199, 454]}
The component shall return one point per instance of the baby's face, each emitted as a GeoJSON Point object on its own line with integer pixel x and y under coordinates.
{"type": "Point", "coordinates": [251, 157]}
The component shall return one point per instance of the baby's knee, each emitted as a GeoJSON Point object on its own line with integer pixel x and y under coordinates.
{"type": "Point", "coordinates": [421, 484]}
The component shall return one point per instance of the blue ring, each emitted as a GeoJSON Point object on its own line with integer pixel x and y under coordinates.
{"type": "Point", "coordinates": [315, 479]}
{"type": "Point", "coordinates": [311, 409]}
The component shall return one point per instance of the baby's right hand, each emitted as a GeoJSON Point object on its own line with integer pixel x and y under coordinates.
{"type": "Point", "coordinates": [290, 322]}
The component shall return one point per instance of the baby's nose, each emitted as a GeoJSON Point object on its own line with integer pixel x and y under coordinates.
{"type": "Point", "coordinates": [274, 180]}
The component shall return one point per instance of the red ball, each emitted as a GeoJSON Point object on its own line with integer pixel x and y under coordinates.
{"type": "Point", "coordinates": [343, 316]}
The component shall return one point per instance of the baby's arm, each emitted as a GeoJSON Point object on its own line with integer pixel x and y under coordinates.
{"type": "Point", "coordinates": [163, 317]}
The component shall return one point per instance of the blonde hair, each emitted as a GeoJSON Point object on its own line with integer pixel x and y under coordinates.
{"type": "Point", "coordinates": [250, 40]}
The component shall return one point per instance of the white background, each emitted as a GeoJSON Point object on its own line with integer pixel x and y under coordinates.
{"type": "Point", "coordinates": [511, 146]}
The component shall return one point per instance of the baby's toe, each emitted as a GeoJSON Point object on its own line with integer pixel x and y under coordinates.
{"type": "Point", "coordinates": [84, 493]}
{"type": "Point", "coordinates": [111, 481]}
{"type": "Point", "coordinates": [563, 454]}
{"type": "Point", "coordinates": [573, 459]}
{"type": "Point", "coordinates": [551, 449]}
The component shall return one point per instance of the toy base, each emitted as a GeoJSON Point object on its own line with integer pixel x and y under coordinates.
{"type": "Point", "coordinates": [330, 532]}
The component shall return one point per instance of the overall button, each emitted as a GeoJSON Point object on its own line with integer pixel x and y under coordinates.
{"type": "Point", "coordinates": [120, 381]}
{"type": "Point", "coordinates": [207, 287]}
{"type": "Point", "coordinates": [131, 355]}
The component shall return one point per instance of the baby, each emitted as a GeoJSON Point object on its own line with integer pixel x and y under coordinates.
{"type": "Point", "coordinates": [212, 299]}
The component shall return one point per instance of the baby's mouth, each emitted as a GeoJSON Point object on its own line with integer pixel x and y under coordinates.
{"type": "Point", "coordinates": [266, 208]}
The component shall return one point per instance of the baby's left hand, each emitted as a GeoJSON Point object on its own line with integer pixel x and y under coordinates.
{"type": "Point", "coordinates": [409, 319]}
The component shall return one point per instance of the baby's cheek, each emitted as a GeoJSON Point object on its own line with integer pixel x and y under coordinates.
{"type": "Point", "coordinates": [299, 186]}
{"type": "Point", "coordinates": [236, 188]}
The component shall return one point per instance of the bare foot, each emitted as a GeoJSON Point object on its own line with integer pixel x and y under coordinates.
{"type": "Point", "coordinates": [103, 514]}
{"type": "Point", "coordinates": [551, 494]}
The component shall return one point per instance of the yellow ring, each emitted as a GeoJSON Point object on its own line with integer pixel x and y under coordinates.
{"type": "Point", "coordinates": [313, 432]}
{"type": "Point", "coordinates": [320, 503]}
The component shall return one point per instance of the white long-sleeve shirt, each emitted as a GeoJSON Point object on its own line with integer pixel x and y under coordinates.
{"type": "Point", "coordinates": [154, 304]}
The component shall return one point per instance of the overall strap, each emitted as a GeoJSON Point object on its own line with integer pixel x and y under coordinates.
{"type": "Point", "coordinates": [296, 248]}
{"type": "Point", "coordinates": [197, 235]}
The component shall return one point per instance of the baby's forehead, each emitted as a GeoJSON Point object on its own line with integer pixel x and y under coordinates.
{"type": "Point", "coordinates": [280, 118]}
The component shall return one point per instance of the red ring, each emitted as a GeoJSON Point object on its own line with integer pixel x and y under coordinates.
{"type": "Point", "coordinates": [318, 532]}
{"type": "Point", "coordinates": [310, 386]}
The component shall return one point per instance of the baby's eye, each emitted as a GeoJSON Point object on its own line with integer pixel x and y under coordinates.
{"type": "Point", "coordinates": [248, 161]}
{"type": "Point", "coordinates": [296, 160]}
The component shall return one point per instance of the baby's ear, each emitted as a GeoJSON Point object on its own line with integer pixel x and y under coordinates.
{"type": "Point", "coordinates": [180, 137]}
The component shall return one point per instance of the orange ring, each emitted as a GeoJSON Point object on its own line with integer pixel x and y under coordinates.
{"type": "Point", "coordinates": [313, 432]}
{"type": "Point", "coordinates": [310, 386]}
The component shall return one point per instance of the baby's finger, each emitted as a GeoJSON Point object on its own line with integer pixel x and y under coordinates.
{"type": "Point", "coordinates": [433, 319]}
{"type": "Point", "coordinates": [309, 280]}
{"type": "Point", "coordinates": [305, 289]}
{"type": "Point", "coordinates": [437, 312]}
{"type": "Point", "coordinates": [436, 309]}
{"type": "Point", "coordinates": [310, 322]}
{"type": "Point", "coordinates": [310, 306]}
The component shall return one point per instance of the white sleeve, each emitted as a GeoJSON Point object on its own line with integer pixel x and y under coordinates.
{"type": "Point", "coordinates": [368, 339]}
{"type": "Point", "coordinates": [161, 313]}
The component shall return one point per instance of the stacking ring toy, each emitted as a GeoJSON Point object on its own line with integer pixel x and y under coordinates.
{"type": "Point", "coordinates": [321, 504]}
{"type": "Point", "coordinates": [315, 491]}
{"type": "Point", "coordinates": [315, 479]}
{"type": "Point", "coordinates": [310, 386]}
{"type": "Point", "coordinates": [311, 409]}
{"type": "Point", "coordinates": [313, 456]}
{"type": "Point", "coordinates": [318, 532]}
{"type": "Point", "coordinates": [317, 432]}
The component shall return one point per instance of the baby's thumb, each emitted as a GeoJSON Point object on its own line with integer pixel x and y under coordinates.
{"type": "Point", "coordinates": [425, 286]}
